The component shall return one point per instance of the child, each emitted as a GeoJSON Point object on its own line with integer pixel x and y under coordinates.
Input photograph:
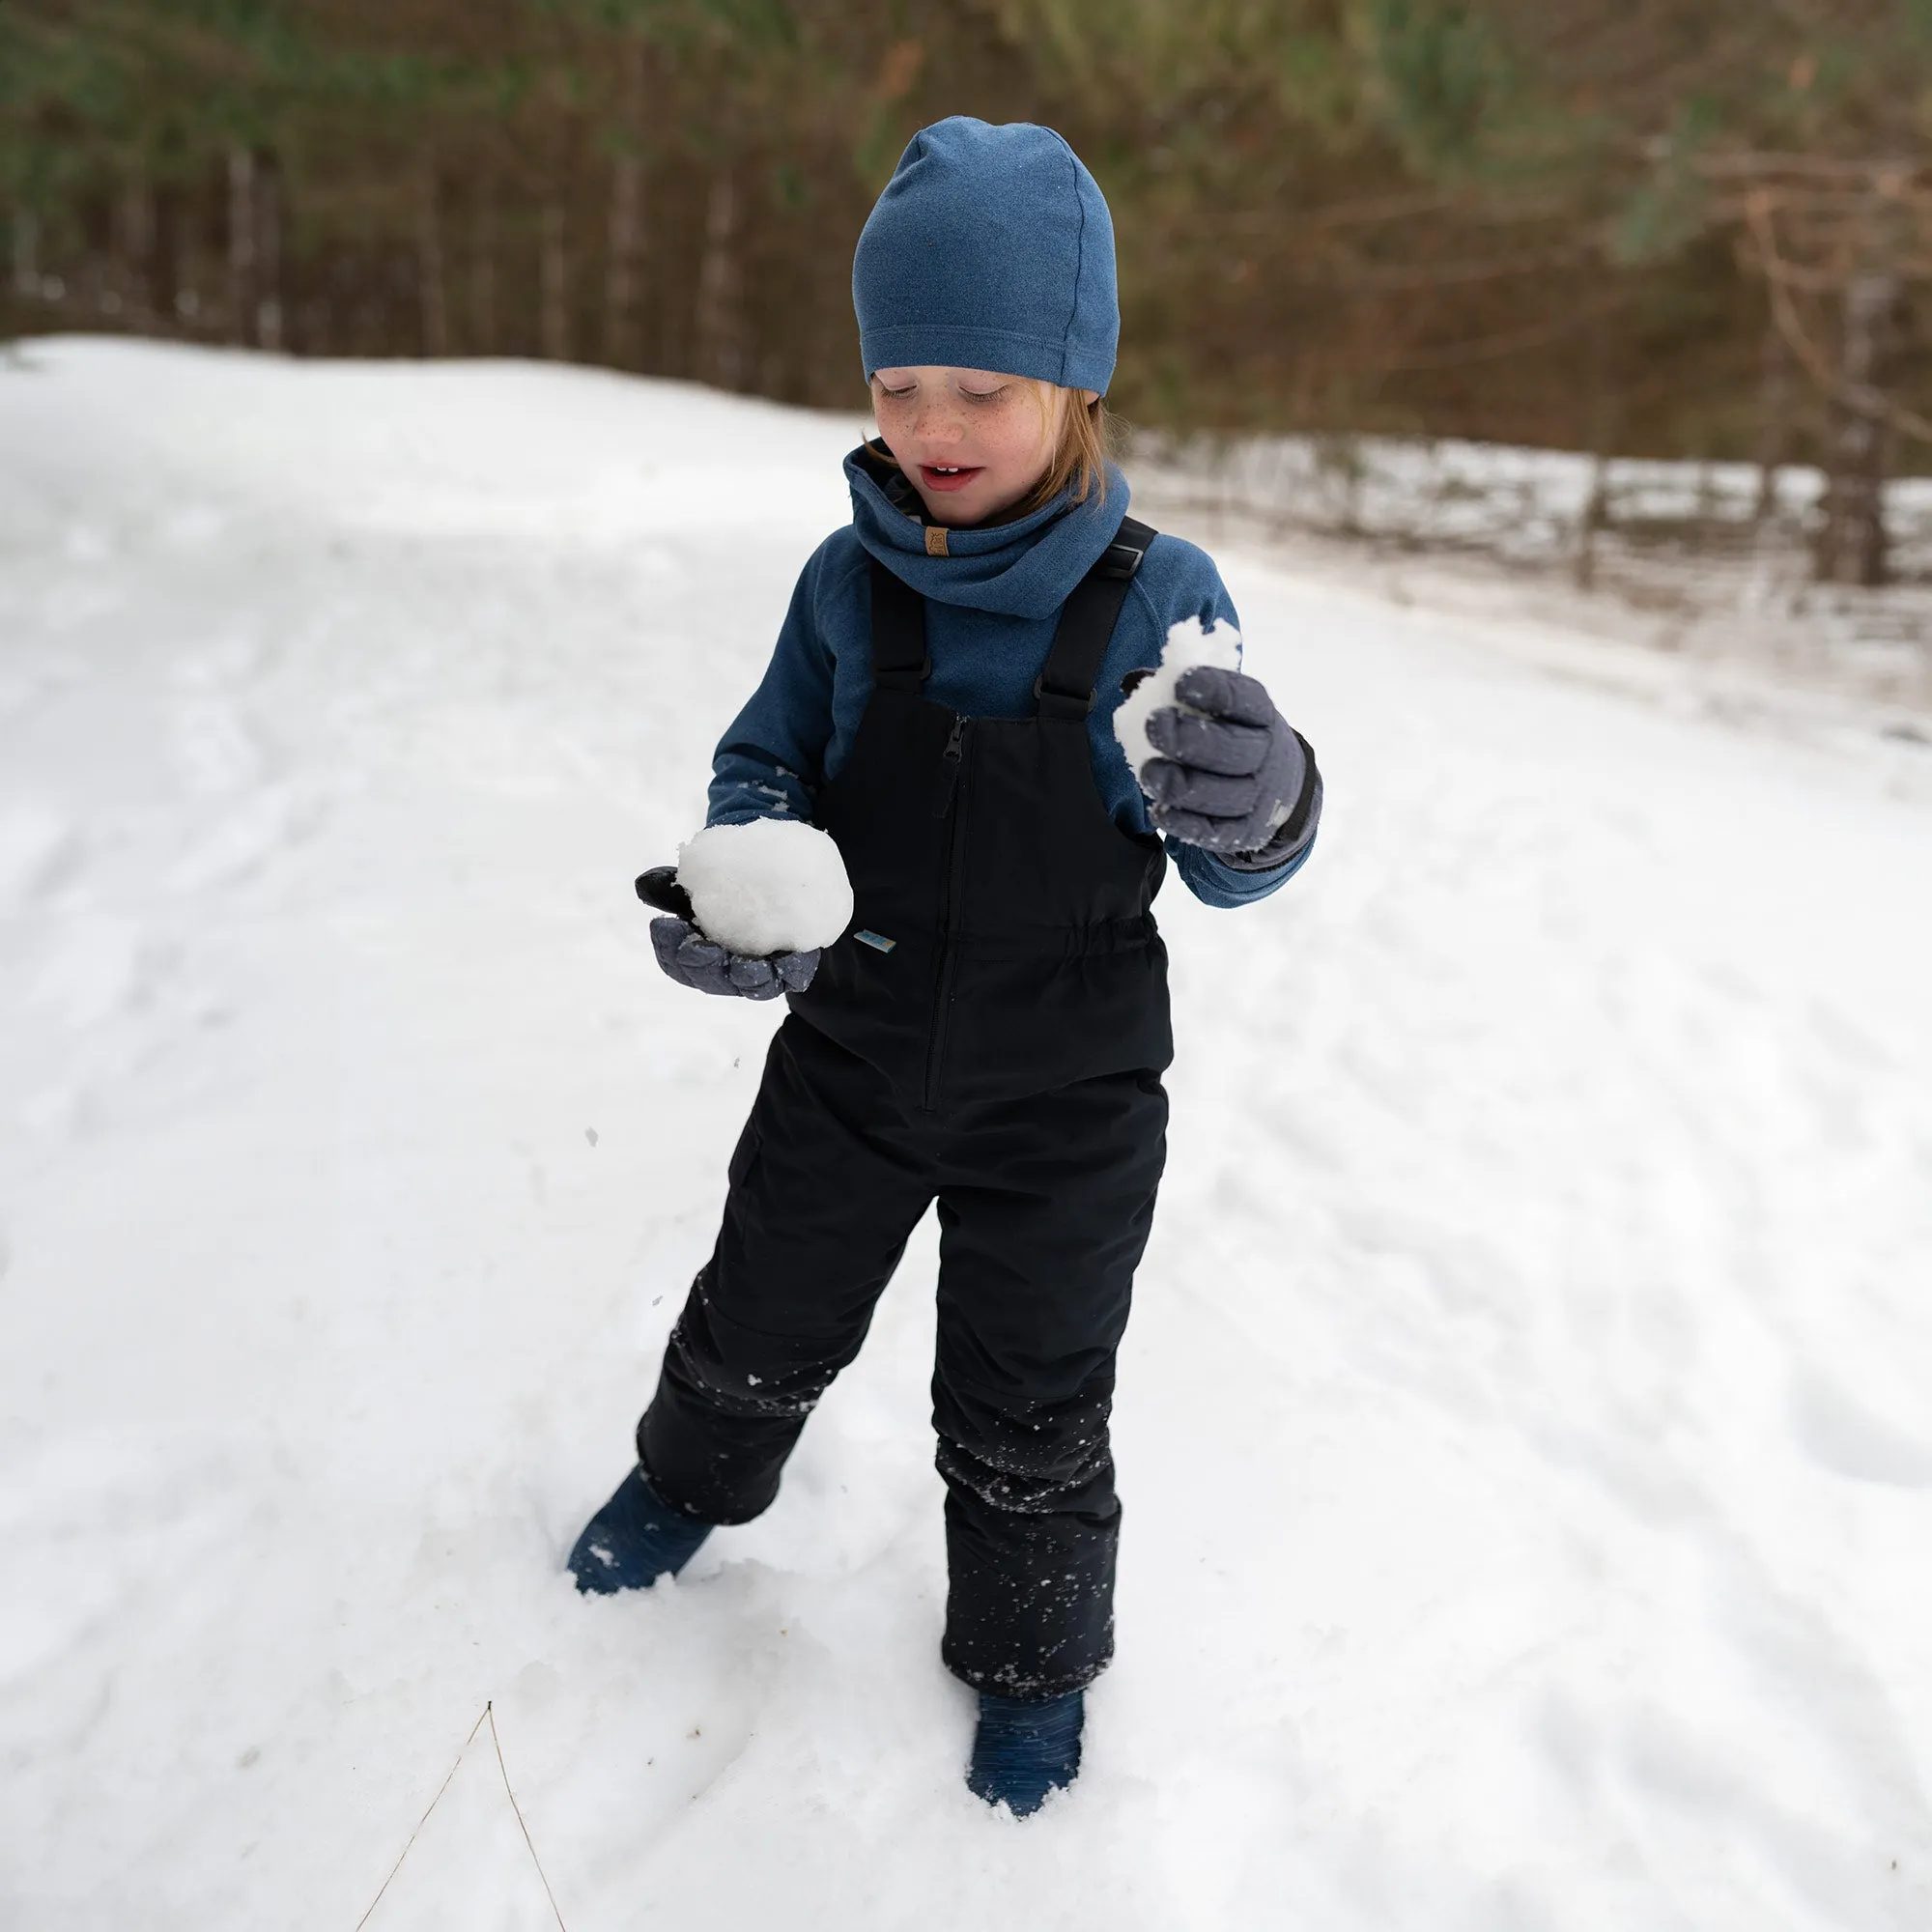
{"type": "Point", "coordinates": [991, 1032]}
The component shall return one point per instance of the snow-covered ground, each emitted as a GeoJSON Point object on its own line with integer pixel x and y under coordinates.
{"type": "Point", "coordinates": [1523, 1424]}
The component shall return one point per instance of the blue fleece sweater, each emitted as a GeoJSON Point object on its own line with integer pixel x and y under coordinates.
{"type": "Point", "coordinates": [992, 603]}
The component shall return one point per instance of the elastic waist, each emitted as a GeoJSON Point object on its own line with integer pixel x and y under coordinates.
{"type": "Point", "coordinates": [1049, 943]}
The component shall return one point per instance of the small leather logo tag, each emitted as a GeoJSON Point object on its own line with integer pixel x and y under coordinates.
{"type": "Point", "coordinates": [935, 540]}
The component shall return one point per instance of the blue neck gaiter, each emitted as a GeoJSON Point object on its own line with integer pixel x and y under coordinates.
{"type": "Point", "coordinates": [1023, 569]}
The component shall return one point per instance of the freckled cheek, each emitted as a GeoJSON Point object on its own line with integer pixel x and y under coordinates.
{"type": "Point", "coordinates": [1016, 442]}
{"type": "Point", "coordinates": [914, 425]}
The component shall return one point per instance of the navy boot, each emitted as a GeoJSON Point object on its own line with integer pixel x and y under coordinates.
{"type": "Point", "coordinates": [1023, 1751]}
{"type": "Point", "coordinates": [633, 1541]}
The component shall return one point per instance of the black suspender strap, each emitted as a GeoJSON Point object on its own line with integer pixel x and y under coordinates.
{"type": "Point", "coordinates": [1066, 687]}
{"type": "Point", "coordinates": [899, 662]}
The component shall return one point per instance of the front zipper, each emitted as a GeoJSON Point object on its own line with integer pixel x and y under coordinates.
{"type": "Point", "coordinates": [950, 762]}
{"type": "Point", "coordinates": [952, 799]}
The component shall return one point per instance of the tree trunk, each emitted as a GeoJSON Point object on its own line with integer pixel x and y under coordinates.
{"type": "Point", "coordinates": [1600, 437]}
{"type": "Point", "coordinates": [163, 259]}
{"type": "Point", "coordinates": [483, 270]}
{"type": "Point", "coordinates": [133, 244]}
{"type": "Point", "coordinates": [26, 253]}
{"type": "Point", "coordinates": [430, 281]}
{"type": "Point", "coordinates": [623, 276]}
{"type": "Point", "coordinates": [721, 354]}
{"type": "Point", "coordinates": [1777, 401]}
{"type": "Point", "coordinates": [1853, 543]}
{"type": "Point", "coordinates": [1596, 517]}
{"type": "Point", "coordinates": [240, 245]}
{"type": "Point", "coordinates": [554, 278]}
{"type": "Point", "coordinates": [269, 255]}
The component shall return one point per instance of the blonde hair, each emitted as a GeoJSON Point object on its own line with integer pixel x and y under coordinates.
{"type": "Point", "coordinates": [1080, 457]}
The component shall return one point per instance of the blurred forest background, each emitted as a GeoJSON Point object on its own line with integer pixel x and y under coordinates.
{"type": "Point", "coordinates": [1672, 228]}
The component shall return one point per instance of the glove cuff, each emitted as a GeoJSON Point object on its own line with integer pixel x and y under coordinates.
{"type": "Point", "coordinates": [1295, 831]}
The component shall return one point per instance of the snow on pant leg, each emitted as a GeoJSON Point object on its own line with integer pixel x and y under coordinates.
{"type": "Point", "coordinates": [1045, 1206]}
{"type": "Point", "coordinates": [824, 1191]}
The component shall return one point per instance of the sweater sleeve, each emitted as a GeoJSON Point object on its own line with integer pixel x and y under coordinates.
{"type": "Point", "coordinates": [1192, 587]}
{"type": "Point", "coordinates": [1217, 883]}
{"type": "Point", "coordinates": [771, 762]}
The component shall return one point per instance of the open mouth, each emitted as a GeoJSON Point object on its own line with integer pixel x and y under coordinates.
{"type": "Point", "coordinates": [948, 475]}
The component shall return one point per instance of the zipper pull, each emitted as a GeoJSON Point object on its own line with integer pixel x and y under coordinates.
{"type": "Point", "coordinates": [949, 762]}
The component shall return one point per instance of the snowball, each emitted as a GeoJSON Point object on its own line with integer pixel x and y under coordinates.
{"type": "Point", "coordinates": [1187, 646]}
{"type": "Point", "coordinates": [774, 885]}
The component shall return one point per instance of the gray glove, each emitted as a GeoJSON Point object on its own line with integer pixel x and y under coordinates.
{"type": "Point", "coordinates": [1238, 780]}
{"type": "Point", "coordinates": [692, 960]}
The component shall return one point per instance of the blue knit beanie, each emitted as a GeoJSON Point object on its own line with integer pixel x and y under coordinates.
{"type": "Point", "coordinates": [991, 249]}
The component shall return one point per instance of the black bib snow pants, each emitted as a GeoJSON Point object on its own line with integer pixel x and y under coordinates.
{"type": "Point", "coordinates": [990, 1035]}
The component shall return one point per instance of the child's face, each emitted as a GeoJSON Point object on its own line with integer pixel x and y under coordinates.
{"type": "Point", "coordinates": [973, 442]}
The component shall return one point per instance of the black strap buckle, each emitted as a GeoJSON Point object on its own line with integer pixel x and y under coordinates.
{"type": "Point", "coordinates": [902, 677]}
{"type": "Point", "coordinates": [1083, 698]}
{"type": "Point", "coordinates": [1119, 559]}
